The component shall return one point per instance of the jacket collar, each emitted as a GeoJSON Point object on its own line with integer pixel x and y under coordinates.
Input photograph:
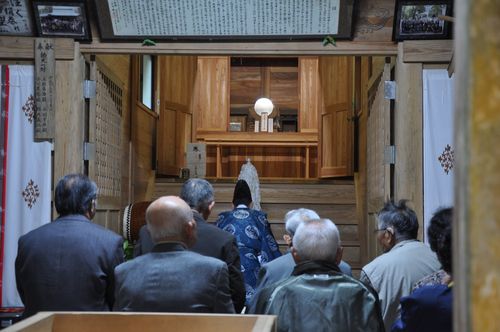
{"type": "Point", "coordinates": [315, 267]}
{"type": "Point", "coordinates": [77, 217]}
{"type": "Point", "coordinates": [169, 246]}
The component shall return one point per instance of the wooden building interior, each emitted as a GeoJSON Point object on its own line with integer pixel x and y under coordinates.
{"type": "Point", "coordinates": [329, 150]}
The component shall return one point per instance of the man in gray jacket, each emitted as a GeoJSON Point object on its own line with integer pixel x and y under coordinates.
{"type": "Point", "coordinates": [326, 299]}
{"type": "Point", "coordinates": [171, 278]}
{"type": "Point", "coordinates": [282, 267]}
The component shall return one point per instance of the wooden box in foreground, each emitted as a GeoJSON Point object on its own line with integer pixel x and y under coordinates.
{"type": "Point", "coordinates": [143, 322]}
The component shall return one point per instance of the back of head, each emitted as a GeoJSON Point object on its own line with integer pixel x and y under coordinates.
{"type": "Point", "coordinates": [74, 194]}
{"type": "Point", "coordinates": [438, 223]}
{"type": "Point", "coordinates": [400, 218]}
{"type": "Point", "coordinates": [167, 219]}
{"type": "Point", "coordinates": [317, 239]}
{"type": "Point", "coordinates": [293, 219]}
{"type": "Point", "coordinates": [443, 249]}
{"type": "Point", "coordinates": [242, 193]}
{"type": "Point", "coordinates": [198, 194]}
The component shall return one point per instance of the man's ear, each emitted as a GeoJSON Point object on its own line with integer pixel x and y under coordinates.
{"type": "Point", "coordinates": [295, 256]}
{"type": "Point", "coordinates": [338, 256]}
{"type": "Point", "coordinates": [211, 206]}
{"type": "Point", "coordinates": [191, 233]}
{"type": "Point", "coordinates": [288, 239]}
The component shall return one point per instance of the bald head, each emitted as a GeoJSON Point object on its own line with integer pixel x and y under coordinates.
{"type": "Point", "coordinates": [169, 218]}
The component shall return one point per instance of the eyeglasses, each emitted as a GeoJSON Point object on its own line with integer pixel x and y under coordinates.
{"type": "Point", "coordinates": [380, 230]}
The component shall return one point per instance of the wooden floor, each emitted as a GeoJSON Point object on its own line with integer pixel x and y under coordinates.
{"type": "Point", "coordinates": [333, 200]}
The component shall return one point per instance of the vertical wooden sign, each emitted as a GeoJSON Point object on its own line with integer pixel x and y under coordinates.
{"type": "Point", "coordinates": [45, 83]}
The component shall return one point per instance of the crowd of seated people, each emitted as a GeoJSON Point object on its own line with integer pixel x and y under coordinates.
{"type": "Point", "coordinates": [184, 264]}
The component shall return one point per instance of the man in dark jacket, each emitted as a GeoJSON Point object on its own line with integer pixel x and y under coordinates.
{"type": "Point", "coordinates": [171, 278]}
{"type": "Point", "coordinates": [68, 264]}
{"type": "Point", "coordinates": [211, 241]}
{"type": "Point", "coordinates": [326, 299]}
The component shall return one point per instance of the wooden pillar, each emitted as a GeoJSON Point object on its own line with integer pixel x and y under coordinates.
{"type": "Point", "coordinates": [408, 134]}
{"type": "Point", "coordinates": [69, 116]}
{"type": "Point", "coordinates": [476, 240]}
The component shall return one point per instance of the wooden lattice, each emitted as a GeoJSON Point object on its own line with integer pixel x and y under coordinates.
{"type": "Point", "coordinates": [108, 136]}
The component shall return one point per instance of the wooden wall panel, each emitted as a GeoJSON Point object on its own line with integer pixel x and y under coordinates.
{"type": "Point", "coordinates": [336, 79]}
{"type": "Point", "coordinates": [166, 153]}
{"type": "Point", "coordinates": [183, 136]}
{"type": "Point", "coordinates": [408, 174]}
{"type": "Point", "coordinates": [177, 79]}
{"type": "Point", "coordinates": [283, 86]}
{"type": "Point", "coordinates": [144, 174]}
{"type": "Point", "coordinates": [119, 65]}
{"type": "Point", "coordinates": [246, 84]}
{"type": "Point", "coordinates": [177, 75]}
{"type": "Point", "coordinates": [378, 188]}
{"type": "Point", "coordinates": [309, 94]}
{"type": "Point", "coordinates": [211, 97]}
{"type": "Point", "coordinates": [335, 201]}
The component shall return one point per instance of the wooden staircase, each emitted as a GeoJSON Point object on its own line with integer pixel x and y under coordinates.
{"type": "Point", "coordinates": [334, 200]}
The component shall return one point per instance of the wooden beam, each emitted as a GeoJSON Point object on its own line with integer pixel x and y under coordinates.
{"type": "Point", "coordinates": [23, 48]}
{"type": "Point", "coordinates": [427, 50]}
{"type": "Point", "coordinates": [408, 172]}
{"type": "Point", "coordinates": [250, 48]}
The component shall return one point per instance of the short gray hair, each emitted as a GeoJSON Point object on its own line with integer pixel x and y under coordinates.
{"type": "Point", "coordinates": [317, 239]}
{"type": "Point", "coordinates": [293, 219]}
{"type": "Point", "coordinates": [198, 194]}
{"type": "Point", "coordinates": [166, 220]}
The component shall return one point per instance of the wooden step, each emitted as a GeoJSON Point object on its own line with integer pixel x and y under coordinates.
{"type": "Point", "coordinates": [332, 200]}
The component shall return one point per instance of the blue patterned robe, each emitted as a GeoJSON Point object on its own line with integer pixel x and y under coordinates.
{"type": "Point", "coordinates": [255, 242]}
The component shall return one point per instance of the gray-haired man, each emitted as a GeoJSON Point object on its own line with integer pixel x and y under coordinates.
{"type": "Point", "coordinates": [282, 267]}
{"type": "Point", "coordinates": [326, 299]}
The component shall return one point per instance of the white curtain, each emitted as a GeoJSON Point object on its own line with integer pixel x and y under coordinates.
{"type": "Point", "coordinates": [28, 175]}
{"type": "Point", "coordinates": [439, 146]}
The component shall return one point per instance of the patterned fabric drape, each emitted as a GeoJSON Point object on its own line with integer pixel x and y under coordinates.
{"type": "Point", "coordinates": [438, 141]}
{"type": "Point", "coordinates": [26, 172]}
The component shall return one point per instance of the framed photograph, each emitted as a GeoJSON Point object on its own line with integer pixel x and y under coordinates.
{"type": "Point", "coordinates": [62, 19]}
{"type": "Point", "coordinates": [422, 19]}
{"type": "Point", "coordinates": [16, 18]}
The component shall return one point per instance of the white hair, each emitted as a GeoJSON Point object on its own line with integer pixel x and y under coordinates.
{"type": "Point", "coordinates": [293, 219]}
{"type": "Point", "coordinates": [317, 239]}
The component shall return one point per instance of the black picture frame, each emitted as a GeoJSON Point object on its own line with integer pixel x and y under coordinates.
{"type": "Point", "coordinates": [419, 20]}
{"type": "Point", "coordinates": [68, 19]}
{"type": "Point", "coordinates": [345, 29]}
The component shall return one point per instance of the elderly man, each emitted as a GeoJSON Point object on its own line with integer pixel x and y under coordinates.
{"type": "Point", "coordinates": [325, 298]}
{"type": "Point", "coordinates": [68, 264]}
{"type": "Point", "coordinates": [171, 278]}
{"type": "Point", "coordinates": [405, 260]}
{"type": "Point", "coordinates": [211, 241]}
{"type": "Point", "coordinates": [282, 267]}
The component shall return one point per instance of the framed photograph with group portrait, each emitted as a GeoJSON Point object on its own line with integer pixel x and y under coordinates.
{"type": "Point", "coordinates": [424, 19]}
{"type": "Point", "coordinates": [62, 19]}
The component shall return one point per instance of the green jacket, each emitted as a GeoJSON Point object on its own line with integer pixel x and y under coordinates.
{"type": "Point", "coordinates": [318, 297]}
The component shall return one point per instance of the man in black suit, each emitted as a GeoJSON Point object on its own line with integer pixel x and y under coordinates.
{"type": "Point", "coordinates": [212, 241]}
{"type": "Point", "coordinates": [68, 264]}
{"type": "Point", "coordinates": [171, 278]}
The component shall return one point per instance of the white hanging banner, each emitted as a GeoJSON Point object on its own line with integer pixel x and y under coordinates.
{"type": "Point", "coordinates": [27, 173]}
{"type": "Point", "coordinates": [439, 147]}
